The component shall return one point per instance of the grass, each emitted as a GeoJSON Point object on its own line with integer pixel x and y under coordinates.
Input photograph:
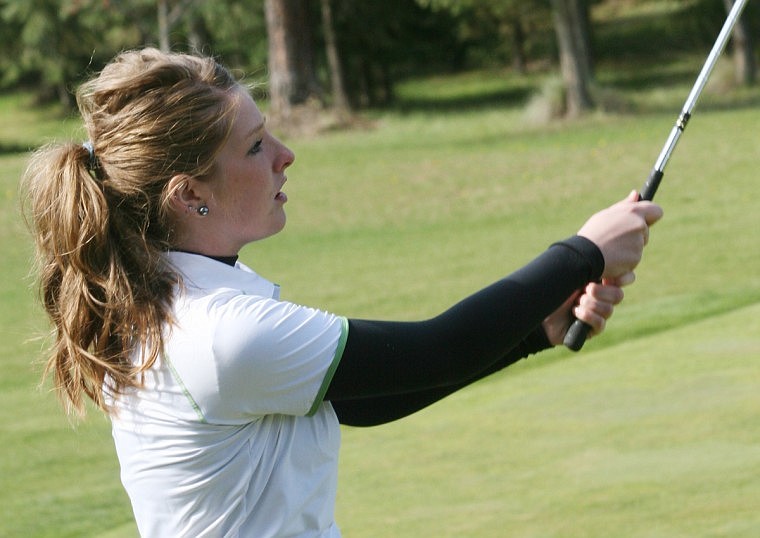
{"type": "Point", "coordinates": [652, 437]}
{"type": "Point", "coordinates": [25, 124]}
{"type": "Point", "coordinates": [649, 432]}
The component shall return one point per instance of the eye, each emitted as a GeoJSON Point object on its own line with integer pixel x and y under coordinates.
{"type": "Point", "coordinates": [256, 147]}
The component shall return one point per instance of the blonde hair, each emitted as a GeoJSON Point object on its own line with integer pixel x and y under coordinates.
{"type": "Point", "coordinates": [101, 219]}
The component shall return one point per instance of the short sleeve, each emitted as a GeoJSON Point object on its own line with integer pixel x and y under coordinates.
{"type": "Point", "coordinates": [266, 357]}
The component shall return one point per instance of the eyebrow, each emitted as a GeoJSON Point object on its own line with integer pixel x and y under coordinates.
{"type": "Point", "coordinates": [257, 129]}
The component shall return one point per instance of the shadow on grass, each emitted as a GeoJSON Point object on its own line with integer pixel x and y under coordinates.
{"type": "Point", "coordinates": [645, 77]}
{"type": "Point", "coordinates": [11, 148]}
{"type": "Point", "coordinates": [501, 98]}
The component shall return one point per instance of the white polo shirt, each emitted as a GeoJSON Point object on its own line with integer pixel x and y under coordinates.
{"type": "Point", "coordinates": [229, 436]}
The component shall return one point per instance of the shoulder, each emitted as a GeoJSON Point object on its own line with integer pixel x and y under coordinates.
{"type": "Point", "coordinates": [246, 325]}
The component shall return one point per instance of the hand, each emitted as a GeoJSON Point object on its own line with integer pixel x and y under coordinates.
{"type": "Point", "coordinates": [621, 231]}
{"type": "Point", "coordinates": [594, 307]}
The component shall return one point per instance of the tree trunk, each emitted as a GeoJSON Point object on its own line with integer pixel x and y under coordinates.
{"type": "Point", "coordinates": [307, 83]}
{"type": "Point", "coordinates": [582, 24]}
{"type": "Point", "coordinates": [198, 36]}
{"type": "Point", "coordinates": [743, 55]}
{"type": "Point", "coordinates": [163, 25]}
{"type": "Point", "coordinates": [281, 76]}
{"type": "Point", "coordinates": [573, 42]}
{"type": "Point", "coordinates": [519, 58]}
{"type": "Point", "coordinates": [339, 97]}
{"type": "Point", "coordinates": [292, 77]}
{"type": "Point", "coordinates": [168, 19]}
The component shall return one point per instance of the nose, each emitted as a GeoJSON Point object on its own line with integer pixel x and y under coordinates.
{"type": "Point", "coordinates": [285, 157]}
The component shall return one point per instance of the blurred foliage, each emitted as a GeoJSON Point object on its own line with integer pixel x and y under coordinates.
{"type": "Point", "coordinates": [492, 29]}
{"type": "Point", "coordinates": [49, 46]}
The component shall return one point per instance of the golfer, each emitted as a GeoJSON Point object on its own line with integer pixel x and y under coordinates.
{"type": "Point", "coordinates": [226, 400]}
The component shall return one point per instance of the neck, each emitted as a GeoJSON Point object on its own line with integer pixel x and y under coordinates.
{"type": "Point", "coordinates": [227, 260]}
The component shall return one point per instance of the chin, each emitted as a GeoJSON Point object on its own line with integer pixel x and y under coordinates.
{"type": "Point", "coordinates": [274, 230]}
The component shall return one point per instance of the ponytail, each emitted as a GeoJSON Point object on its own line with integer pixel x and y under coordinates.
{"type": "Point", "coordinates": [103, 299]}
{"type": "Point", "coordinates": [100, 214]}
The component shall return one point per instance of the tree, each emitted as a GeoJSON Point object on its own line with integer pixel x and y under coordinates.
{"type": "Point", "coordinates": [168, 18]}
{"type": "Point", "coordinates": [382, 42]}
{"type": "Point", "coordinates": [496, 31]}
{"type": "Point", "coordinates": [573, 41]}
{"type": "Point", "coordinates": [56, 41]}
{"type": "Point", "coordinates": [337, 85]}
{"type": "Point", "coordinates": [743, 54]}
{"type": "Point", "coordinates": [242, 45]}
{"type": "Point", "coordinates": [292, 77]}
{"type": "Point", "coordinates": [49, 46]}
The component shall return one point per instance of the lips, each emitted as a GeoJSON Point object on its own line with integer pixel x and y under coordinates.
{"type": "Point", "coordinates": [281, 196]}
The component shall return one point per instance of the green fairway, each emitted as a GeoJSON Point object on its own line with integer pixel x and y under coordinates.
{"type": "Point", "coordinates": [654, 437]}
{"type": "Point", "coordinates": [650, 431]}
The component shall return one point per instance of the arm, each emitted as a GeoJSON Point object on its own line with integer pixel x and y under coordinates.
{"type": "Point", "coordinates": [378, 410]}
{"type": "Point", "coordinates": [384, 358]}
{"type": "Point", "coordinates": [428, 360]}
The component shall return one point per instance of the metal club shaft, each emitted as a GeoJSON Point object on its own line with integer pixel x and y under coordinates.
{"type": "Point", "coordinates": [578, 331]}
{"type": "Point", "coordinates": [653, 182]}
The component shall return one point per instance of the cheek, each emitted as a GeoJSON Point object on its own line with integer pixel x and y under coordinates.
{"type": "Point", "coordinates": [239, 188]}
{"type": "Point", "coordinates": [254, 203]}
{"type": "Point", "coordinates": [246, 188]}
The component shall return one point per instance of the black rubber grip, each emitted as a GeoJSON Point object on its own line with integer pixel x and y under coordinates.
{"type": "Point", "coordinates": [650, 187]}
{"type": "Point", "coordinates": [576, 335]}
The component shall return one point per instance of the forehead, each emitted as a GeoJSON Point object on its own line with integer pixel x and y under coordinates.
{"type": "Point", "coordinates": [248, 119]}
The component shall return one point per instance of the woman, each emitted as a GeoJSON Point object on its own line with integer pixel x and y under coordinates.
{"type": "Point", "coordinates": [226, 401]}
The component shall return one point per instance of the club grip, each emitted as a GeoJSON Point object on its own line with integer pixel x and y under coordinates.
{"type": "Point", "coordinates": [578, 331]}
{"type": "Point", "coordinates": [651, 185]}
{"type": "Point", "coordinates": [576, 335]}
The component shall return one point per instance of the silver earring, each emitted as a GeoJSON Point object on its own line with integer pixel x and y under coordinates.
{"type": "Point", "coordinates": [203, 210]}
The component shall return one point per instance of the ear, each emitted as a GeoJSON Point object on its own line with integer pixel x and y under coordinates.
{"type": "Point", "coordinates": [186, 193]}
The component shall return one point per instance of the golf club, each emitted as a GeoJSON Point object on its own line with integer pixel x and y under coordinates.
{"type": "Point", "coordinates": [576, 334]}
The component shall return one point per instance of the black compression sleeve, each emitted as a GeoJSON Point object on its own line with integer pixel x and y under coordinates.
{"type": "Point", "coordinates": [383, 409]}
{"type": "Point", "coordinates": [385, 358]}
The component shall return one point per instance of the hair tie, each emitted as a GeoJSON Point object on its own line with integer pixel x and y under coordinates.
{"type": "Point", "coordinates": [92, 165]}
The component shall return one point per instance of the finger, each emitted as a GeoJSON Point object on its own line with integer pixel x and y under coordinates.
{"type": "Point", "coordinates": [650, 211]}
{"type": "Point", "coordinates": [596, 306]}
{"type": "Point", "coordinates": [605, 292]}
{"type": "Point", "coordinates": [623, 280]}
{"type": "Point", "coordinates": [590, 318]}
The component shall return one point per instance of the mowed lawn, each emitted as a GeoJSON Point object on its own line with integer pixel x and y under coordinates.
{"type": "Point", "coordinates": [650, 431]}
{"type": "Point", "coordinates": [651, 438]}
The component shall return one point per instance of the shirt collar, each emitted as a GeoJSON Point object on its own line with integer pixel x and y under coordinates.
{"type": "Point", "coordinates": [206, 273]}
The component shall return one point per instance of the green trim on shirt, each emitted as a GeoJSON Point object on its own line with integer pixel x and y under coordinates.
{"type": "Point", "coordinates": [333, 367]}
{"type": "Point", "coordinates": [186, 392]}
